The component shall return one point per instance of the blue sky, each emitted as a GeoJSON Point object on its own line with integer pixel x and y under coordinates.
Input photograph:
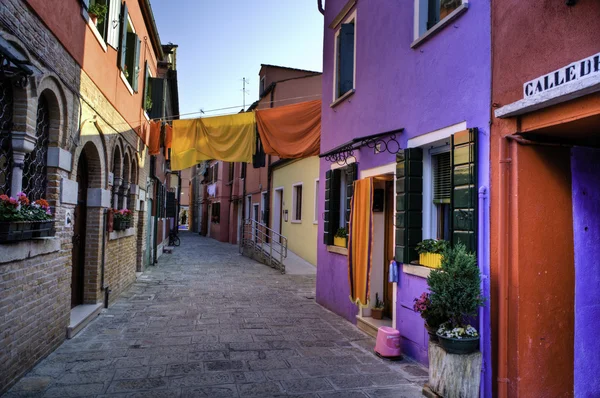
{"type": "Point", "coordinates": [222, 41]}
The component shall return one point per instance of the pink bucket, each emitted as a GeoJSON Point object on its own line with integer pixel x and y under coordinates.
{"type": "Point", "coordinates": [388, 342]}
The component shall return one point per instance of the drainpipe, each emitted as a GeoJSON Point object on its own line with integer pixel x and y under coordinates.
{"type": "Point", "coordinates": [103, 264]}
{"type": "Point", "coordinates": [320, 6]}
{"type": "Point", "coordinates": [503, 265]}
{"type": "Point", "coordinates": [484, 311]}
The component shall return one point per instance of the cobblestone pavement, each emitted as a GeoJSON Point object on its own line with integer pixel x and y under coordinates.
{"type": "Point", "coordinates": [207, 322]}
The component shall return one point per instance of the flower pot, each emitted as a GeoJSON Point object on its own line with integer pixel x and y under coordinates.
{"type": "Point", "coordinates": [119, 224]}
{"type": "Point", "coordinates": [462, 346]}
{"type": "Point", "coordinates": [341, 242]}
{"type": "Point", "coordinates": [93, 18]}
{"type": "Point", "coordinates": [43, 229]}
{"type": "Point", "coordinates": [431, 260]}
{"type": "Point", "coordinates": [377, 313]}
{"type": "Point", "coordinates": [432, 332]}
{"type": "Point", "coordinates": [14, 231]}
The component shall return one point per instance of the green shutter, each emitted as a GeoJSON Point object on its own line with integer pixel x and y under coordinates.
{"type": "Point", "coordinates": [464, 188]}
{"type": "Point", "coordinates": [331, 216]}
{"type": "Point", "coordinates": [351, 176]}
{"type": "Point", "coordinates": [123, 38]}
{"type": "Point", "coordinates": [136, 64]}
{"type": "Point", "coordinates": [409, 203]}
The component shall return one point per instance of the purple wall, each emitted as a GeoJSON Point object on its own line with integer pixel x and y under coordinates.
{"type": "Point", "coordinates": [585, 169]}
{"type": "Point", "coordinates": [444, 81]}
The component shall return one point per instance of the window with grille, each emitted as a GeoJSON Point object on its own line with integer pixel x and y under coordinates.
{"type": "Point", "coordinates": [6, 115]}
{"type": "Point", "coordinates": [297, 203]}
{"type": "Point", "coordinates": [442, 191]}
{"type": "Point", "coordinates": [35, 177]}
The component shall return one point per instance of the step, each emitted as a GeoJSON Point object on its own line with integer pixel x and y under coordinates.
{"type": "Point", "coordinates": [81, 316]}
{"type": "Point", "coordinates": [370, 326]}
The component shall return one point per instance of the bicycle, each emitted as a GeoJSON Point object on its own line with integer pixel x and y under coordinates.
{"type": "Point", "coordinates": [174, 238]}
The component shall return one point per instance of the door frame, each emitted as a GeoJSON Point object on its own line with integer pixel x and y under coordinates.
{"type": "Point", "coordinates": [255, 218]}
{"type": "Point", "coordinates": [78, 252]}
{"type": "Point", "coordinates": [277, 225]}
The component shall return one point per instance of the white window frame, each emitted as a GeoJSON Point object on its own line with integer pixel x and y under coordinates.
{"type": "Point", "coordinates": [421, 10]}
{"type": "Point", "coordinates": [336, 100]}
{"type": "Point", "coordinates": [316, 202]}
{"type": "Point", "coordinates": [294, 203]}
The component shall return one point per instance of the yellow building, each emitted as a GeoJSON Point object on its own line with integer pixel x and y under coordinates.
{"type": "Point", "coordinates": [294, 204]}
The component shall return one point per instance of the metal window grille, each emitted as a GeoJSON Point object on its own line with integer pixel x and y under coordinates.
{"type": "Point", "coordinates": [442, 181]}
{"type": "Point", "coordinates": [6, 115]}
{"type": "Point", "coordinates": [35, 177]}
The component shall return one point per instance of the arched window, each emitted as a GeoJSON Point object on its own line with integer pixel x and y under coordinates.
{"type": "Point", "coordinates": [35, 178]}
{"type": "Point", "coordinates": [6, 116]}
{"type": "Point", "coordinates": [117, 177]}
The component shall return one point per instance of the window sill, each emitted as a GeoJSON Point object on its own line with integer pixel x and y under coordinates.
{"type": "Point", "coordinates": [416, 270]}
{"type": "Point", "coordinates": [296, 221]}
{"type": "Point", "coordinates": [441, 25]}
{"type": "Point", "coordinates": [114, 235]}
{"type": "Point", "coordinates": [25, 249]}
{"type": "Point", "coordinates": [342, 98]}
{"type": "Point", "coordinates": [338, 250]}
{"type": "Point", "coordinates": [315, 222]}
{"type": "Point", "coordinates": [126, 83]}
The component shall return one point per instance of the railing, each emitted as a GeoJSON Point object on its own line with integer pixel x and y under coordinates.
{"type": "Point", "coordinates": [263, 244]}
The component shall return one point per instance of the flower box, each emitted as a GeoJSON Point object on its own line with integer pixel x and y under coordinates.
{"type": "Point", "coordinates": [341, 242]}
{"type": "Point", "coordinates": [43, 229]}
{"type": "Point", "coordinates": [431, 260]}
{"type": "Point", "coordinates": [14, 231]}
{"type": "Point", "coordinates": [120, 224]}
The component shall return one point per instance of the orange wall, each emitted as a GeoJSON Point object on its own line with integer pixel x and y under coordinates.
{"type": "Point", "coordinates": [66, 22]}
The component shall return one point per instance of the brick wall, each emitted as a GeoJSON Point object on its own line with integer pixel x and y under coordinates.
{"type": "Point", "coordinates": [35, 276]}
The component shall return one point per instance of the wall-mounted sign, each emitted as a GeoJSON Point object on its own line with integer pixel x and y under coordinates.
{"type": "Point", "coordinates": [567, 75]}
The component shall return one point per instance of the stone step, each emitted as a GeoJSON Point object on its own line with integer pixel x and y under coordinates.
{"type": "Point", "coordinates": [81, 316]}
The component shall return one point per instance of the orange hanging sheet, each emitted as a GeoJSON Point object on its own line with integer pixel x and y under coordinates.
{"type": "Point", "coordinates": [154, 141]}
{"type": "Point", "coordinates": [291, 131]}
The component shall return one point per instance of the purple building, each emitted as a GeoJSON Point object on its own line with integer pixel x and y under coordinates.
{"type": "Point", "coordinates": [416, 75]}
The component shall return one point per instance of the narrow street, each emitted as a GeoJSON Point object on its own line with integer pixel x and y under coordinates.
{"type": "Point", "coordinates": [207, 322]}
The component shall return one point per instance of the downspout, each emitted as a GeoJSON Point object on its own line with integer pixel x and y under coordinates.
{"type": "Point", "coordinates": [485, 342]}
{"type": "Point", "coordinates": [103, 264]}
{"type": "Point", "coordinates": [320, 6]}
{"type": "Point", "coordinates": [503, 266]}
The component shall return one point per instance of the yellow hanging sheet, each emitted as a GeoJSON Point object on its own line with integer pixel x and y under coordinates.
{"type": "Point", "coordinates": [229, 138]}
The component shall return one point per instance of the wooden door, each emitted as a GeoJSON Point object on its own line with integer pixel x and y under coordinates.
{"type": "Point", "coordinates": [388, 288]}
{"type": "Point", "coordinates": [78, 251]}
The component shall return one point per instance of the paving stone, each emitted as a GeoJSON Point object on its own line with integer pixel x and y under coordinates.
{"type": "Point", "coordinates": [327, 370]}
{"type": "Point", "coordinates": [282, 374]}
{"type": "Point", "coordinates": [185, 368]}
{"type": "Point", "coordinates": [249, 377]}
{"type": "Point", "coordinates": [409, 391]}
{"type": "Point", "coordinates": [208, 356]}
{"type": "Point", "coordinates": [387, 379]}
{"type": "Point", "coordinates": [342, 394]}
{"type": "Point", "coordinates": [225, 391]}
{"type": "Point", "coordinates": [280, 354]}
{"type": "Point", "coordinates": [139, 384]}
{"type": "Point", "coordinates": [34, 384]}
{"type": "Point", "coordinates": [98, 376]}
{"type": "Point", "coordinates": [205, 379]}
{"type": "Point", "coordinates": [260, 390]}
{"type": "Point", "coordinates": [306, 385]}
{"type": "Point", "coordinates": [302, 362]}
{"type": "Point", "coordinates": [74, 390]}
{"type": "Point", "coordinates": [267, 364]}
{"type": "Point", "coordinates": [351, 381]}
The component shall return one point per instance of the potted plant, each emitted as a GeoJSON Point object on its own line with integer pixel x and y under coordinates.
{"type": "Point", "coordinates": [431, 252]}
{"type": "Point", "coordinates": [341, 237]}
{"type": "Point", "coordinates": [456, 292]}
{"type": "Point", "coordinates": [97, 13]}
{"type": "Point", "coordinates": [21, 219]}
{"type": "Point", "coordinates": [377, 310]}
{"type": "Point", "coordinates": [148, 104]}
{"type": "Point", "coordinates": [432, 316]}
{"type": "Point", "coordinates": [122, 219]}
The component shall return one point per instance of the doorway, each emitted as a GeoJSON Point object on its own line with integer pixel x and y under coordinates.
{"type": "Point", "coordinates": [388, 287]}
{"type": "Point", "coordinates": [79, 231]}
{"type": "Point", "coordinates": [150, 234]}
{"type": "Point", "coordinates": [255, 212]}
{"type": "Point", "coordinates": [277, 211]}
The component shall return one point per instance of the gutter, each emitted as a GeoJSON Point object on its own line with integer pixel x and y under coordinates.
{"type": "Point", "coordinates": [320, 6]}
{"type": "Point", "coordinates": [152, 29]}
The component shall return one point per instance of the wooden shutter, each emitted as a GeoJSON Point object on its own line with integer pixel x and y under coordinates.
{"type": "Point", "coordinates": [351, 176]}
{"type": "Point", "coordinates": [346, 59]}
{"type": "Point", "coordinates": [157, 89]}
{"type": "Point", "coordinates": [331, 216]}
{"type": "Point", "coordinates": [171, 205]}
{"type": "Point", "coordinates": [113, 23]}
{"type": "Point", "coordinates": [464, 188]}
{"type": "Point", "coordinates": [409, 203]}
{"type": "Point", "coordinates": [123, 38]}
{"type": "Point", "coordinates": [136, 64]}
{"type": "Point", "coordinates": [442, 178]}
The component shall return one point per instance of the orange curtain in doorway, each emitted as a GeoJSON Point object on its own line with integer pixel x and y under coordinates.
{"type": "Point", "coordinates": [360, 244]}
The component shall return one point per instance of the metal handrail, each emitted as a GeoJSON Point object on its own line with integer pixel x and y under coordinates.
{"type": "Point", "coordinates": [264, 240]}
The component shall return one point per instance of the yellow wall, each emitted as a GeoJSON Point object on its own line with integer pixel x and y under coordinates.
{"type": "Point", "coordinates": [302, 237]}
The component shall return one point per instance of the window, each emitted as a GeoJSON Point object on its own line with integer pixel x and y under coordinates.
{"type": "Point", "coordinates": [129, 51]}
{"type": "Point", "coordinates": [316, 203]}
{"type": "Point", "coordinates": [105, 15]}
{"type": "Point", "coordinates": [338, 195]}
{"type": "Point", "coordinates": [342, 201]}
{"type": "Point", "coordinates": [431, 12]}
{"type": "Point", "coordinates": [344, 58]}
{"type": "Point", "coordinates": [264, 204]}
{"type": "Point", "coordinates": [35, 178]}
{"type": "Point", "coordinates": [215, 170]}
{"type": "Point", "coordinates": [297, 203]}
{"type": "Point", "coordinates": [231, 171]}
{"type": "Point", "coordinates": [147, 104]}
{"type": "Point", "coordinates": [442, 191]}
{"type": "Point", "coordinates": [98, 12]}
{"type": "Point", "coordinates": [216, 212]}
{"type": "Point", "coordinates": [243, 172]}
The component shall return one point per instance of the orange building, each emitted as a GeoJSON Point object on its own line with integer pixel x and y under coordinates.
{"type": "Point", "coordinates": [545, 198]}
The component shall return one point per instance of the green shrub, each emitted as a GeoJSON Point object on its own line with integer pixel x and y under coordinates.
{"type": "Point", "coordinates": [455, 287]}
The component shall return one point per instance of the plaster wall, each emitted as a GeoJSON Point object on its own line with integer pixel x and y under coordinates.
{"type": "Point", "coordinates": [439, 83]}
{"type": "Point", "coordinates": [585, 169]}
{"type": "Point", "coordinates": [302, 236]}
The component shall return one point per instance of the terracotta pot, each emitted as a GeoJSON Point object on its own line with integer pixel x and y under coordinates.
{"type": "Point", "coordinates": [377, 313]}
